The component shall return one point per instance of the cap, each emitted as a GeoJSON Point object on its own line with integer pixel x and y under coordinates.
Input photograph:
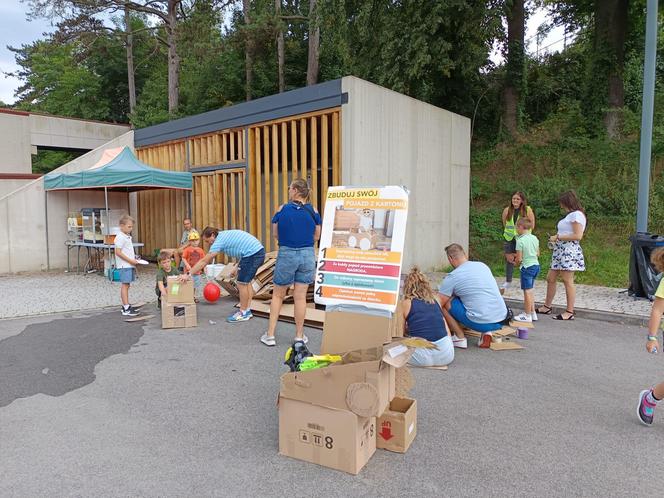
{"type": "Point", "coordinates": [193, 235]}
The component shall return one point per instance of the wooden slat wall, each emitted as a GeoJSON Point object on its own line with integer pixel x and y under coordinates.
{"type": "Point", "coordinates": [222, 147]}
{"type": "Point", "coordinates": [160, 212]}
{"type": "Point", "coordinates": [305, 146]}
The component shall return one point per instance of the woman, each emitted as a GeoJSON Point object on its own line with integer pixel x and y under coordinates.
{"type": "Point", "coordinates": [424, 318]}
{"type": "Point", "coordinates": [296, 226]}
{"type": "Point", "coordinates": [567, 256]}
{"type": "Point", "coordinates": [518, 208]}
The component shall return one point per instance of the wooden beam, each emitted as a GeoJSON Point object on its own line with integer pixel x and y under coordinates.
{"type": "Point", "coordinates": [323, 161]}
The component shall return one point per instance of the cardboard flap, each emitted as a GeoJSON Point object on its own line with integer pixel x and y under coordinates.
{"type": "Point", "coordinates": [396, 354]}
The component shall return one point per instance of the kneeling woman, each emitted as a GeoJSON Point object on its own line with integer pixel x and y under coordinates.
{"type": "Point", "coordinates": [424, 319]}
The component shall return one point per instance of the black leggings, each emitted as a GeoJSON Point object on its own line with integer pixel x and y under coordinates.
{"type": "Point", "coordinates": [509, 248]}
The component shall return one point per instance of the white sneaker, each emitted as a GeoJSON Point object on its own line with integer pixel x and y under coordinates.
{"type": "Point", "coordinates": [533, 315]}
{"type": "Point", "coordinates": [304, 339]}
{"type": "Point", "coordinates": [459, 343]}
{"type": "Point", "coordinates": [268, 340]}
{"type": "Point", "coordinates": [506, 285]}
{"type": "Point", "coordinates": [523, 318]}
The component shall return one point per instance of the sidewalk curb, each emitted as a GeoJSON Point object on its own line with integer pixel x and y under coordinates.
{"type": "Point", "coordinates": [605, 316]}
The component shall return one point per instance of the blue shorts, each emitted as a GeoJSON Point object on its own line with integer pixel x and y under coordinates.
{"type": "Point", "coordinates": [295, 265]}
{"type": "Point", "coordinates": [248, 267]}
{"type": "Point", "coordinates": [127, 275]}
{"type": "Point", "coordinates": [458, 311]}
{"type": "Point", "coordinates": [528, 276]}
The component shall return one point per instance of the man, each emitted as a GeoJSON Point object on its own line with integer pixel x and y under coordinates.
{"type": "Point", "coordinates": [240, 245]}
{"type": "Point", "coordinates": [184, 242]}
{"type": "Point", "coordinates": [470, 297]}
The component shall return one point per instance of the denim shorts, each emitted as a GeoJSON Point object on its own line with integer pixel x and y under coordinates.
{"type": "Point", "coordinates": [458, 312]}
{"type": "Point", "coordinates": [248, 267]}
{"type": "Point", "coordinates": [528, 276]}
{"type": "Point", "coordinates": [295, 265]}
{"type": "Point", "coordinates": [127, 275]}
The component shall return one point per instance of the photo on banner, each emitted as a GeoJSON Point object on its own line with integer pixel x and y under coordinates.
{"type": "Point", "coordinates": [361, 246]}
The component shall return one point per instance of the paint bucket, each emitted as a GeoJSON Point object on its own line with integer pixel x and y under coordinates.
{"type": "Point", "coordinates": [522, 333]}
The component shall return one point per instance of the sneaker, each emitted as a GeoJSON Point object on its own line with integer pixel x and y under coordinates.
{"type": "Point", "coordinates": [136, 308]}
{"type": "Point", "coordinates": [533, 315]}
{"type": "Point", "coordinates": [506, 285]}
{"type": "Point", "coordinates": [268, 340]}
{"type": "Point", "coordinates": [129, 312]}
{"type": "Point", "coordinates": [485, 340]}
{"type": "Point", "coordinates": [460, 343]}
{"type": "Point", "coordinates": [522, 317]}
{"type": "Point", "coordinates": [240, 316]}
{"type": "Point", "coordinates": [304, 339]}
{"type": "Point", "coordinates": [645, 410]}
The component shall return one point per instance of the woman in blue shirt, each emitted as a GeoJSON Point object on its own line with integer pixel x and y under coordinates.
{"type": "Point", "coordinates": [424, 318]}
{"type": "Point", "coordinates": [296, 226]}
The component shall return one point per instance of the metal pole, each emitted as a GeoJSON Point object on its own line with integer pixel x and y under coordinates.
{"type": "Point", "coordinates": [108, 220]}
{"type": "Point", "coordinates": [48, 256]}
{"type": "Point", "coordinates": [646, 117]}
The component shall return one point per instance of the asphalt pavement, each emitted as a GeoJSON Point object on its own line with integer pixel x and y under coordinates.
{"type": "Point", "coordinates": [93, 406]}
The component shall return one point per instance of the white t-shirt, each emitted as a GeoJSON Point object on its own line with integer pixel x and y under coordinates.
{"type": "Point", "coordinates": [565, 225]}
{"type": "Point", "coordinates": [124, 243]}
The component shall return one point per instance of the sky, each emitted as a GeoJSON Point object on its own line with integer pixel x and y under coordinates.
{"type": "Point", "coordinates": [16, 30]}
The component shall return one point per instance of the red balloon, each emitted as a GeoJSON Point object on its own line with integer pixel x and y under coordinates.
{"type": "Point", "coordinates": [211, 292]}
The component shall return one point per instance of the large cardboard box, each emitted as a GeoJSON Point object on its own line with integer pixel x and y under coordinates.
{"type": "Point", "coordinates": [344, 331]}
{"type": "Point", "coordinates": [178, 315]}
{"type": "Point", "coordinates": [363, 382]}
{"type": "Point", "coordinates": [338, 439]}
{"type": "Point", "coordinates": [397, 427]}
{"type": "Point", "coordinates": [179, 292]}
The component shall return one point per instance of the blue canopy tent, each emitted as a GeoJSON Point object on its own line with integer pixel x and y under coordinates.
{"type": "Point", "coordinates": [124, 173]}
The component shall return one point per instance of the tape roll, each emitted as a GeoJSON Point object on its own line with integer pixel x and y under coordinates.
{"type": "Point", "coordinates": [362, 399]}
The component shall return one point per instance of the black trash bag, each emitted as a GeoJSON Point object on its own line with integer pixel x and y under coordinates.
{"type": "Point", "coordinates": [296, 354]}
{"type": "Point", "coordinates": [643, 277]}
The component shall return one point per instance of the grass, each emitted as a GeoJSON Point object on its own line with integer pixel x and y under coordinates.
{"type": "Point", "coordinates": [605, 247]}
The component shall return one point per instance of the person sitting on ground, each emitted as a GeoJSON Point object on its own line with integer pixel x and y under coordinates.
{"type": "Point", "coordinates": [184, 242]}
{"type": "Point", "coordinates": [527, 251]}
{"type": "Point", "coordinates": [164, 270]}
{"type": "Point", "coordinates": [192, 255]}
{"type": "Point", "coordinates": [424, 318]}
{"type": "Point", "coordinates": [236, 244]}
{"type": "Point", "coordinates": [470, 297]}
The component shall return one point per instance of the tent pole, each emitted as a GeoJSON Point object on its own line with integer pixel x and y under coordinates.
{"type": "Point", "coordinates": [108, 220]}
{"type": "Point", "coordinates": [48, 256]}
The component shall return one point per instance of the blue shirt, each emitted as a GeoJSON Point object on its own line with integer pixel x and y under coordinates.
{"type": "Point", "coordinates": [425, 320]}
{"type": "Point", "coordinates": [296, 225]}
{"type": "Point", "coordinates": [236, 244]}
{"type": "Point", "coordinates": [473, 283]}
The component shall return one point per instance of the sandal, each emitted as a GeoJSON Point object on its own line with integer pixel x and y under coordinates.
{"type": "Point", "coordinates": [548, 309]}
{"type": "Point", "coordinates": [560, 316]}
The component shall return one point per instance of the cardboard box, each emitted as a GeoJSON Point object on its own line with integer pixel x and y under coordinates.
{"type": "Point", "coordinates": [363, 382]}
{"type": "Point", "coordinates": [337, 439]}
{"type": "Point", "coordinates": [345, 331]}
{"type": "Point", "coordinates": [179, 292]}
{"type": "Point", "coordinates": [178, 315]}
{"type": "Point", "coordinates": [397, 427]}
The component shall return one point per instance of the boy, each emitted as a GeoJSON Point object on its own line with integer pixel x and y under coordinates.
{"type": "Point", "coordinates": [164, 270]}
{"type": "Point", "coordinates": [125, 262]}
{"type": "Point", "coordinates": [527, 251]}
{"type": "Point", "coordinates": [191, 255]}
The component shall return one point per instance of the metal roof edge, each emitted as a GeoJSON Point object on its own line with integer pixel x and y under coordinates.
{"type": "Point", "coordinates": [298, 101]}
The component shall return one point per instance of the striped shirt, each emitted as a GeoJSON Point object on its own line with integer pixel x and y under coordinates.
{"type": "Point", "coordinates": [236, 244]}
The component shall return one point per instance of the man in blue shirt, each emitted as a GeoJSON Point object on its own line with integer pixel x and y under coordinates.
{"type": "Point", "coordinates": [470, 296]}
{"type": "Point", "coordinates": [240, 245]}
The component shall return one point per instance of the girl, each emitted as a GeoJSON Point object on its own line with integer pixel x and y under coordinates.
{"type": "Point", "coordinates": [424, 318]}
{"type": "Point", "coordinates": [567, 256]}
{"type": "Point", "coordinates": [518, 208]}
{"type": "Point", "coordinates": [648, 399]}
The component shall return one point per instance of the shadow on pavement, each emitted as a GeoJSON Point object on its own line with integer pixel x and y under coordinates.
{"type": "Point", "coordinates": [57, 357]}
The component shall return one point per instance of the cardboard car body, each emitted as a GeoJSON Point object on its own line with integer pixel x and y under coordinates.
{"type": "Point", "coordinates": [179, 292]}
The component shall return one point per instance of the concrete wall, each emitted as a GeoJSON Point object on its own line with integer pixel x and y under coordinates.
{"type": "Point", "coordinates": [15, 148]}
{"type": "Point", "coordinates": [8, 186]}
{"type": "Point", "coordinates": [391, 139]}
{"type": "Point", "coordinates": [23, 244]}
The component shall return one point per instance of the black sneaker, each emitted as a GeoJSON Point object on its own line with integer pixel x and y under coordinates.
{"type": "Point", "coordinates": [129, 312]}
{"type": "Point", "coordinates": [136, 308]}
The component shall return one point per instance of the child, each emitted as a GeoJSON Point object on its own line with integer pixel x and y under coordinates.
{"type": "Point", "coordinates": [125, 262]}
{"type": "Point", "coordinates": [648, 398]}
{"type": "Point", "coordinates": [191, 255]}
{"type": "Point", "coordinates": [527, 251]}
{"type": "Point", "coordinates": [164, 270]}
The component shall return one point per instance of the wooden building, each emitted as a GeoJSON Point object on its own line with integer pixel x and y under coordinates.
{"type": "Point", "coordinates": [341, 132]}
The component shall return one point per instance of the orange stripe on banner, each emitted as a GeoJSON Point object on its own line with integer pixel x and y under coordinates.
{"type": "Point", "coordinates": [361, 295]}
{"type": "Point", "coordinates": [359, 255]}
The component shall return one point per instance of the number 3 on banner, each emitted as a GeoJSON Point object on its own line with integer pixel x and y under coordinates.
{"type": "Point", "coordinates": [321, 277]}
